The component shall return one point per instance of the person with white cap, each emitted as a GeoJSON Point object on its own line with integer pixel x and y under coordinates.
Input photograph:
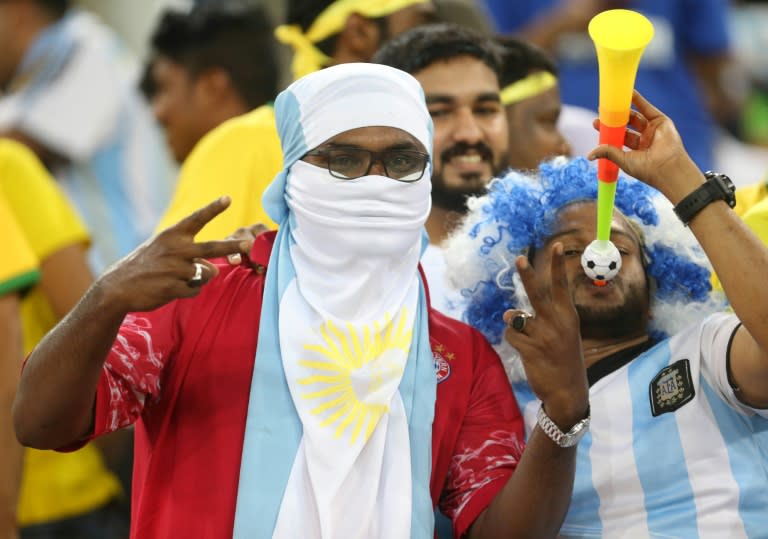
{"type": "Point", "coordinates": [311, 392]}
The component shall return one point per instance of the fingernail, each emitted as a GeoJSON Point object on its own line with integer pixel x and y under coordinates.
{"type": "Point", "coordinates": [235, 259]}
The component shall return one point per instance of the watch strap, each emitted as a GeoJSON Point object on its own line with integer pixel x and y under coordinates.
{"type": "Point", "coordinates": [716, 187]}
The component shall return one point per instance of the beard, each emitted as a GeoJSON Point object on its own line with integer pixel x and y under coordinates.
{"type": "Point", "coordinates": [454, 198]}
{"type": "Point", "coordinates": [613, 321]}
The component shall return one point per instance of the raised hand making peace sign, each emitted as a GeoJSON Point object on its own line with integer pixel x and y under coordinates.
{"type": "Point", "coordinates": [170, 265]}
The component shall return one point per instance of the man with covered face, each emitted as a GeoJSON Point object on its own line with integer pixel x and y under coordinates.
{"type": "Point", "coordinates": [311, 392]}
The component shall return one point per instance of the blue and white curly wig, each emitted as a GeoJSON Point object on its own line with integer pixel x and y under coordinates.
{"type": "Point", "coordinates": [519, 212]}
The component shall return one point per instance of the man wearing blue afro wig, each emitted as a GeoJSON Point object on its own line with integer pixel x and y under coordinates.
{"type": "Point", "coordinates": [678, 389]}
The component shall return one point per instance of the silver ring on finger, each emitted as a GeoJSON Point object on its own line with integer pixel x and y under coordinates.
{"type": "Point", "coordinates": [520, 320]}
{"type": "Point", "coordinates": [197, 279]}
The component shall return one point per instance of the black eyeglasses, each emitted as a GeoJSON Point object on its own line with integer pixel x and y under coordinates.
{"type": "Point", "coordinates": [351, 163]}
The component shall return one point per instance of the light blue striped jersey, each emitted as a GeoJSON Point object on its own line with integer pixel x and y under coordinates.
{"type": "Point", "coordinates": [671, 452]}
{"type": "Point", "coordinates": [75, 92]}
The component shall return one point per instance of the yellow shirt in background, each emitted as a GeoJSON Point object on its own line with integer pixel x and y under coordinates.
{"type": "Point", "coordinates": [47, 220]}
{"type": "Point", "coordinates": [54, 485]}
{"type": "Point", "coordinates": [752, 206]}
{"type": "Point", "coordinates": [748, 196]}
{"type": "Point", "coordinates": [239, 158]}
{"type": "Point", "coordinates": [19, 270]}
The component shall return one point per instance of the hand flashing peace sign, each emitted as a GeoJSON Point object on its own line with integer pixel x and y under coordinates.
{"type": "Point", "coordinates": [169, 266]}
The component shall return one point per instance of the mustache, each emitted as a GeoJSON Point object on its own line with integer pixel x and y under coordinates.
{"type": "Point", "coordinates": [583, 279]}
{"type": "Point", "coordinates": [462, 148]}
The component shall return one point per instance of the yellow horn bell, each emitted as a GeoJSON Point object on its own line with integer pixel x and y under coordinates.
{"type": "Point", "coordinates": [620, 37]}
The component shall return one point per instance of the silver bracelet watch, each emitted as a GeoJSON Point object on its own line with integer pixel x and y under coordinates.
{"type": "Point", "coordinates": [563, 439]}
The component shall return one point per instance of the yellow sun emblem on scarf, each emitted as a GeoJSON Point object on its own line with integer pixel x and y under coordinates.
{"type": "Point", "coordinates": [354, 370]}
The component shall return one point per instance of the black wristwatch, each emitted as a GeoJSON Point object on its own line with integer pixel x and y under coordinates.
{"type": "Point", "coordinates": [716, 187]}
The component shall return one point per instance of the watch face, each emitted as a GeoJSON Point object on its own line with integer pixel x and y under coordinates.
{"type": "Point", "coordinates": [725, 186]}
{"type": "Point", "coordinates": [727, 183]}
{"type": "Point", "coordinates": [579, 429]}
{"type": "Point", "coordinates": [730, 190]}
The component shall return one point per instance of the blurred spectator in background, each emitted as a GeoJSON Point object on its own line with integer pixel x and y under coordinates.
{"type": "Point", "coordinates": [323, 33]}
{"type": "Point", "coordinates": [686, 70]}
{"type": "Point", "coordinates": [748, 21]}
{"type": "Point", "coordinates": [746, 163]}
{"type": "Point", "coordinates": [458, 69]}
{"type": "Point", "coordinates": [531, 98]}
{"type": "Point", "coordinates": [63, 495]}
{"type": "Point", "coordinates": [208, 65]}
{"type": "Point", "coordinates": [466, 13]}
{"type": "Point", "coordinates": [70, 94]}
{"type": "Point", "coordinates": [242, 156]}
{"type": "Point", "coordinates": [18, 274]}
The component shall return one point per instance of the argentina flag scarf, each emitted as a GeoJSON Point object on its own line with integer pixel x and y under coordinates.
{"type": "Point", "coordinates": [339, 427]}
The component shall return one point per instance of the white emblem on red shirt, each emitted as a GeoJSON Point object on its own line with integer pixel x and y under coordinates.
{"type": "Point", "coordinates": [442, 367]}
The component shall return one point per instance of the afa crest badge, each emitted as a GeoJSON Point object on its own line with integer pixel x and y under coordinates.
{"type": "Point", "coordinates": [671, 388]}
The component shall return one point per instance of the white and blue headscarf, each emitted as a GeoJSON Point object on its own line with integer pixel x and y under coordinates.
{"type": "Point", "coordinates": [339, 428]}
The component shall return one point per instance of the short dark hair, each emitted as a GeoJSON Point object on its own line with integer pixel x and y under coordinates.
{"type": "Point", "coordinates": [422, 46]}
{"type": "Point", "coordinates": [303, 13]}
{"type": "Point", "coordinates": [56, 8]}
{"type": "Point", "coordinates": [233, 35]}
{"type": "Point", "coordinates": [520, 58]}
